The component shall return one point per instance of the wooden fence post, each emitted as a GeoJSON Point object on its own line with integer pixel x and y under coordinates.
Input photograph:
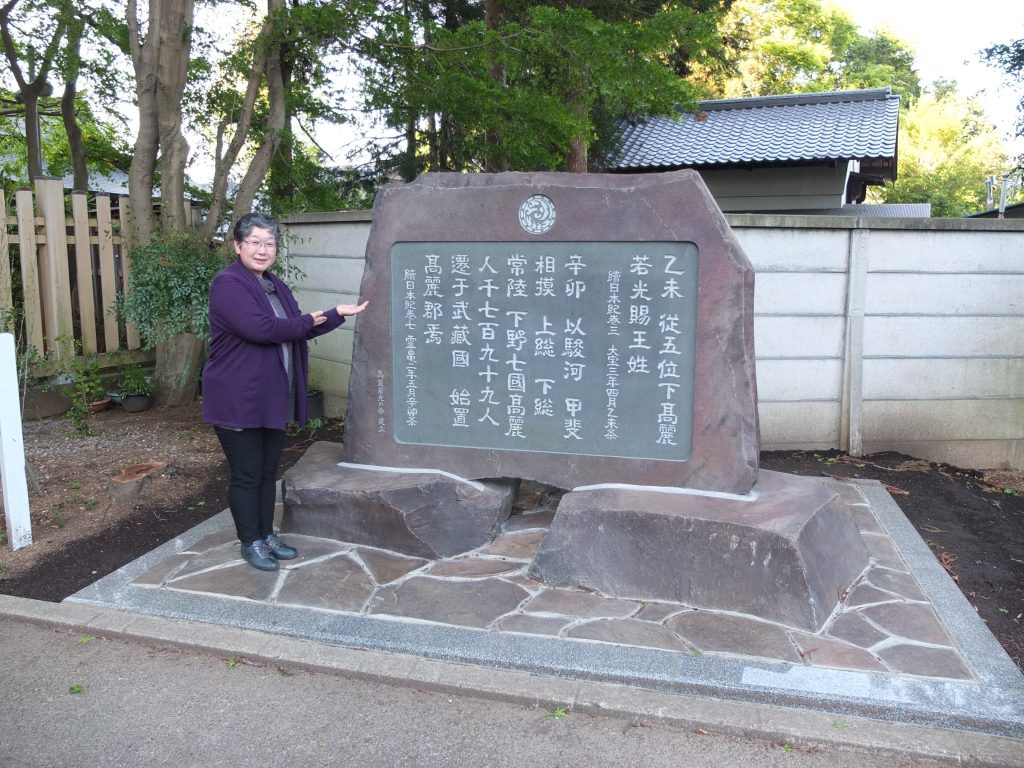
{"type": "Point", "coordinates": [108, 272]}
{"type": "Point", "coordinates": [83, 272]}
{"type": "Point", "coordinates": [54, 277]}
{"type": "Point", "coordinates": [30, 270]}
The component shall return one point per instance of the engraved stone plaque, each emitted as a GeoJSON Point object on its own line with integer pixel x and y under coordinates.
{"type": "Point", "coordinates": [568, 348]}
{"type": "Point", "coordinates": [567, 328]}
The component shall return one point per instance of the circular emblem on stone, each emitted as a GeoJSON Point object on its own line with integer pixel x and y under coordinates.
{"type": "Point", "coordinates": [537, 214]}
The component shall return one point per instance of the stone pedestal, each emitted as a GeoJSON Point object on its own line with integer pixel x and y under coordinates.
{"type": "Point", "coordinates": [420, 514]}
{"type": "Point", "coordinates": [786, 552]}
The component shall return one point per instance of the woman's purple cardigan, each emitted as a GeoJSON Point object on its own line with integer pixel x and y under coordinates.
{"type": "Point", "coordinates": [244, 381]}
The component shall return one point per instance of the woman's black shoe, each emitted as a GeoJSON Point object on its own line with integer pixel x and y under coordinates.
{"type": "Point", "coordinates": [259, 555]}
{"type": "Point", "coordinates": [279, 549]}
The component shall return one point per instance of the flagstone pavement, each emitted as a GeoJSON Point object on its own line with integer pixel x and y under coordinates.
{"type": "Point", "coordinates": [901, 643]}
{"type": "Point", "coordinates": [883, 624]}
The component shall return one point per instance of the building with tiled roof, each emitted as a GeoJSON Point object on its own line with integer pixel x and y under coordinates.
{"type": "Point", "coordinates": [803, 153]}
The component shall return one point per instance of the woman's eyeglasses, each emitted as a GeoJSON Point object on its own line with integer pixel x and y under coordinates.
{"type": "Point", "coordinates": [269, 245]}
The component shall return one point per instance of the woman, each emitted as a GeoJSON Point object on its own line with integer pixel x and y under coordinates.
{"type": "Point", "coordinates": [254, 380]}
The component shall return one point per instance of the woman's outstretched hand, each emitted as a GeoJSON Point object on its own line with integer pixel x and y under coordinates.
{"type": "Point", "coordinates": [351, 309]}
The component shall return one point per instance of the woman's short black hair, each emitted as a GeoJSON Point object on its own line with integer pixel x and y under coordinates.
{"type": "Point", "coordinates": [250, 221]}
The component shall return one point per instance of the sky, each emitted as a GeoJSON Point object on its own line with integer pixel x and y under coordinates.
{"type": "Point", "coordinates": [947, 42]}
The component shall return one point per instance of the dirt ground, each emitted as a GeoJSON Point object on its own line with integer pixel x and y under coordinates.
{"type": "Point", "coordinates": [86, 526]}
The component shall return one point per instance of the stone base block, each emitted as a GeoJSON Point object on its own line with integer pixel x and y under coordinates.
{"type": "Point", "coordinates": [786, 552]}
{"type": "Point", "coordinates": [420, 514]}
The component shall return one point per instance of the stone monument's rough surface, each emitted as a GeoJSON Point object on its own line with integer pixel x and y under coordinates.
{"type": "Point", "coordinates": [564, 328]}
{"type": "Point", "coordinates": [422, 514]}
{"type": "Point", "coordinates": [785, 554]}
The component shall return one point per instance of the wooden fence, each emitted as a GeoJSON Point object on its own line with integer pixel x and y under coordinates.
{"type": "Point", "coordinates": [64, 263]}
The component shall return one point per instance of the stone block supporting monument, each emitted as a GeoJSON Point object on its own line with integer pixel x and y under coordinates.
{"type": "Point", "coordinates": [591, 332]}
{"type": "Point", "coordinates": [419, 514]}
{"type": "Point", "coordinates": [784, 552]}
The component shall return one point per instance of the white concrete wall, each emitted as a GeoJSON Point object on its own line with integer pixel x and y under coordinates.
{"type": "Point", "coordinates": [871, 334]}
{"type": "Point", "coordinates": [329, 249]}
{"type": "Point", "coordinates": [899, 334]}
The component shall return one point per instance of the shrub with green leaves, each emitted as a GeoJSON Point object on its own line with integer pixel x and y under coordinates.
{"type": "Point", "coordinates": [169, 286]}
{"type": "Point", "coordinates": [132, 380]}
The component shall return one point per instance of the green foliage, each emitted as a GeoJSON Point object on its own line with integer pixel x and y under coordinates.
{"type": "Point", "coordinates": [106, 147]}
{"type": "Point", "coordinates": [563, 67]}
{"type": "Point", "coordinates": [312, 40]}
{"type": "Point", "coordinates": [947, 149]}
{"type": "Point", "coordinates": [308, 429]}
{"type": "Point", "coordinates": [49, 40]}
{"type": "Point", "coordinates": [321, 188]}
{"type": "Point", "coordinates": [169, 286]}
{"type": "Point", "coordinates": [83, 374]}
{"type": "Point", "coordinates": [777, 47]}
{"type": "Point", "coordinates": [132, 380]}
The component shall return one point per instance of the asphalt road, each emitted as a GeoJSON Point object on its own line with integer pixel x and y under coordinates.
{"type": "Point", "coordinates": [67, 699]}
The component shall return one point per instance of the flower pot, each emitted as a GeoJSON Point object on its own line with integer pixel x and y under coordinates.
{"type": "Point", "coordinates": [99, 405]}
{"type": "Point", "coordinates": [135, 403]}
{"type": "Point", "coordinates": [314, 405]}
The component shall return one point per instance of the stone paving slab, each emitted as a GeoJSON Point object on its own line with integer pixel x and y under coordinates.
{"type": "Point", "coordinates": [904, 644]}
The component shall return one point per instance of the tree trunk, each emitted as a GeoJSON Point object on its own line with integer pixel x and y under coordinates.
{"type": "Point", "coordinates": [494, 160]}
{"type": "Point", "coordinates": [161, 64]}
{"type": "Point", "coordinates": [147, 140]}
{"type": "Point", "coordinates": [172, 72]}
{"type": "Point", "coordinates": [67, 111]}
{"type": "Point", "coordinates": [33, 141]}
{"type": "Point", "coordinates": [225, 163]}
{"type": "Point", "coordinates": [176, 375]}
{"type": "Point", "coordinates": [260, 164]}
{"type": "Point", "coordinates": [280, 178]}
{"type": "Point", "coordinates": [576, 160]}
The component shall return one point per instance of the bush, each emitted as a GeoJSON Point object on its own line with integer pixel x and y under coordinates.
{"type": "Point", "coordinates": [169, 286]}
{"type": "Point", "coordinates": [134, 381]}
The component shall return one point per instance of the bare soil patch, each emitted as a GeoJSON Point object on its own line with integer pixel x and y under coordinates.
{"type": "Point", "coordinates": [973, 521]}
{"type": "Point", "coordinates": [83, 526]}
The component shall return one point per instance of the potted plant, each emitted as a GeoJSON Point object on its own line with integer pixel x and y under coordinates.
{"type": "Point", "coordinates": [167, 300]}
{"type": "Point", "coordinates": [134, 388]}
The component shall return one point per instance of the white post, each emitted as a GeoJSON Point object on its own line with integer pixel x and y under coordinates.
{"type": "Point", "coordinates": [12, 449]}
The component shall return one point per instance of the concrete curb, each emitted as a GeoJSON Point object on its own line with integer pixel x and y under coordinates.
{"type": "Point", "coordinates": [802, 728]}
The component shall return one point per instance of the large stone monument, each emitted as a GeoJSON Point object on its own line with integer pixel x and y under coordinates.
{"type": "Point", "coordinates": [591, 332]}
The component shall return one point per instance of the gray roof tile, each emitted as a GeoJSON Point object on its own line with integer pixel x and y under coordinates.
{"type": "Point", "coordinates": [769, 129]}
